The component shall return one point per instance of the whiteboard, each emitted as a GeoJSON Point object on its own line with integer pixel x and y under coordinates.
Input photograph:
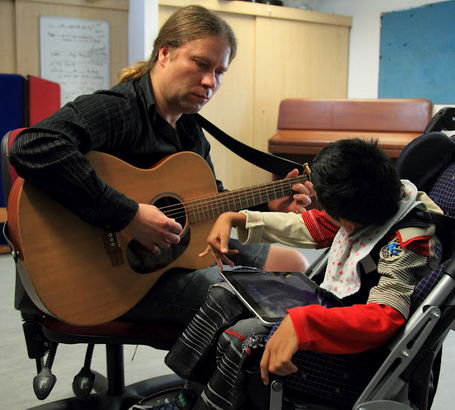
{"type": "Point", "coordinates": [74, 52]}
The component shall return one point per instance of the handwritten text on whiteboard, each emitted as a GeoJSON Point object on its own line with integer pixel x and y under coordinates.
{"type": "Point", "coordinates": [75, 54]}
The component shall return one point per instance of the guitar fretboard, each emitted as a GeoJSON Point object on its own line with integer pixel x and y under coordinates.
{"type": "Point", "coordinates": [210, 207]}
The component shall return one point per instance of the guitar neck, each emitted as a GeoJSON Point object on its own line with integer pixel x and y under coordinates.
{"type": "Point", "coordinates": [210, 207]}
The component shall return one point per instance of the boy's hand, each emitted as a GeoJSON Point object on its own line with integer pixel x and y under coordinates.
{"type": "Point", "coordinates": [296, 202]}
{"type": "Point", "coordinates": [279, 351]}
{"type": "Point", "coordinates": [219, 236]}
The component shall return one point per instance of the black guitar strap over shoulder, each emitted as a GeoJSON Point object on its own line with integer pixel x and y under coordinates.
{"type": "Point", "coordinates": [272, 163]}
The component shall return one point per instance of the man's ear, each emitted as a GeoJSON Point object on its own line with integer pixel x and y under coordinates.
{"type": "Point", "coordinates": [164, 54]}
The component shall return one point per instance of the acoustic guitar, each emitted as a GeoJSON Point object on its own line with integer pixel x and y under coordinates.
{"type": "Point", "coordinates": [85, 275]}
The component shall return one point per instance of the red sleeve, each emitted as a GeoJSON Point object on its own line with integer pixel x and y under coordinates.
{"type": "Point", "coordinates": [321, 228]}
{"type": "Point", "coordinates": [344, 330]}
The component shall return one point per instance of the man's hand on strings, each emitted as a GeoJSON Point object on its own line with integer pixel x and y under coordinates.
{"type": "Point", "coordinates": [298, 201]}
{"type": "Point", "coordinates": [218, 239]}
{"type": "Point", "coordinates": [153, 229]}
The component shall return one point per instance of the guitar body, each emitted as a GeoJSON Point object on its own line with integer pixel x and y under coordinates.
{"type": "Point", "coordinates": [64, 263]}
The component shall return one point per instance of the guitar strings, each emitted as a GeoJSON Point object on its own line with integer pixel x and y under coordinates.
{"type": "Point", "coordinates": [254, 192]}
{"type": "Point", "coordinates": [178, 210]}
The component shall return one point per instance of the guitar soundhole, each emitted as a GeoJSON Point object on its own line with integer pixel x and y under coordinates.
{"type": "Point", "coordinates": [144, 261]}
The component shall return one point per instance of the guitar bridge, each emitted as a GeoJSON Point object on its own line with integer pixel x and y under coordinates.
{"type": "Point", "coordinates": [113, 249]}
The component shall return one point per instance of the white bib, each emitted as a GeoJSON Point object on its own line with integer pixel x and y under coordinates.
{"type": "Point", "coordinates": [342, 276]}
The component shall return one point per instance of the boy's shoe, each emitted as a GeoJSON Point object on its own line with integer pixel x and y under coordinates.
{"type": "Point", "coordinates": [185, 399]}
{"type": "Point", "coordinates": [168, 406]}
{"type": "Point", "coordinates": [180, 400]}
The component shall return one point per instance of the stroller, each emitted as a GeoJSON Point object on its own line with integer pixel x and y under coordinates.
{"type": "Point", "coordinates": [408, 376]}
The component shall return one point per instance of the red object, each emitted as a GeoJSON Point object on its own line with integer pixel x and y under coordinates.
{"type": "Point", "coordinates": [321, 228]}
{"type": "Point", "coordinates": [43, 99]}
{"type": "Point", "coordinates": [345, 330]}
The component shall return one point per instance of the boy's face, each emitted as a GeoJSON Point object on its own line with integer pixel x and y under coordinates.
{"type": "Point", "coordinates": [349, 226]}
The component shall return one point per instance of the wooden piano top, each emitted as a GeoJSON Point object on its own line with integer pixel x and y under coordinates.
{"type": "Point", "coordinates": [305, 126]}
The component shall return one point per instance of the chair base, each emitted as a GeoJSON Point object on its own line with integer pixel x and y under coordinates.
{"type": "Point", "coordinates": [103, 401]}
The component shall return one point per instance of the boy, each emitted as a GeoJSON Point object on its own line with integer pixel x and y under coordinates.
{"type": "Point", "coordinates": [378, 252]}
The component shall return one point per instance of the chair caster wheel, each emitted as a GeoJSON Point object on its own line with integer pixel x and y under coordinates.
{"type": "Point", "coordinates": [83, 383]}
{"type": "Point", "coordinates": [43, 383]}
{"type": "Point", "coordinates": [101, 384]}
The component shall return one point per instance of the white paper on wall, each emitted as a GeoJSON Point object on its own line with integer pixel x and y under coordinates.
{"type": "Point", "coordinates": [74, 53]}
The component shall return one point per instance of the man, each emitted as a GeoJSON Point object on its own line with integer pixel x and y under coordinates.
{"type": "Point", "coordinates": [144, 118]}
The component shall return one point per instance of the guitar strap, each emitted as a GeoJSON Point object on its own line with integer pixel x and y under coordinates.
{"type": "Point", "coordinates": [272, 163]}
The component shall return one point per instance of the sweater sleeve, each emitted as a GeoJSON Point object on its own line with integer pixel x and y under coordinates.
{"type": "Point", "coordinates": [344, 330]}
{"type": "Point", "coordinates": [51, 155]}
{"type": "Point", "coordinates": [311, 229]}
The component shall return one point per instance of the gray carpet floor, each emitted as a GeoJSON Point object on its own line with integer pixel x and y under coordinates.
{"type": "Point", "coordinates": [17, 371]}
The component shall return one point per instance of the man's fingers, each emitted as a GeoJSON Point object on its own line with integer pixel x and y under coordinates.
{"type": "Point", "coordinates": [173, 226]}
{"type": "Point", "coordinates": [167, 240]}
{"type": "Point", "coordinates": [292, 173]}
{"type": "Point", "coordinates": [172, 237]}
{"type": "Point", "coordinates": [302, 200]}
{"type": "Point", "coordinates": [154, 249]}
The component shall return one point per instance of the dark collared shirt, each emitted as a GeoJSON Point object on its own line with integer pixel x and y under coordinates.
{"type": "Point", "coordinates": [121, 121]}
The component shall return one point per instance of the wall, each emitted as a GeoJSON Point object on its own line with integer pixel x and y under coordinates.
{"type": "Point", "coordinates": [142, 29]}
{"type": "Point", "coordinates": [417, 53]}
{"type": "Point", "coordinates": [7, 36]}
{"type": "Point", "coordinates": [365, 38]}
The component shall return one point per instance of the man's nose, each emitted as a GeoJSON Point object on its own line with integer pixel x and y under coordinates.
{"type": "Point", "coordinates": [209, 80]}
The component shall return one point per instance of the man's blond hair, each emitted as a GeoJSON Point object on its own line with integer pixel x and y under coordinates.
{"type": "Point", "coordinates": [186, 24]}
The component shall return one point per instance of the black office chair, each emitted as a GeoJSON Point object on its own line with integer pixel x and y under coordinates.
{"type": "Point", "coordinates": [43, 333]}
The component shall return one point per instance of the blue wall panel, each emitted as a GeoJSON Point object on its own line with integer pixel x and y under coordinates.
{"type": "Point", "coordinates": [417, 53]}
{"type": "Point", "coordinates": [12, 108]}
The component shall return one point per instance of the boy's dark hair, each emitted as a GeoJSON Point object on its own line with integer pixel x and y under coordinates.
{"type": "Point", "coordinates": [355, 180]}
